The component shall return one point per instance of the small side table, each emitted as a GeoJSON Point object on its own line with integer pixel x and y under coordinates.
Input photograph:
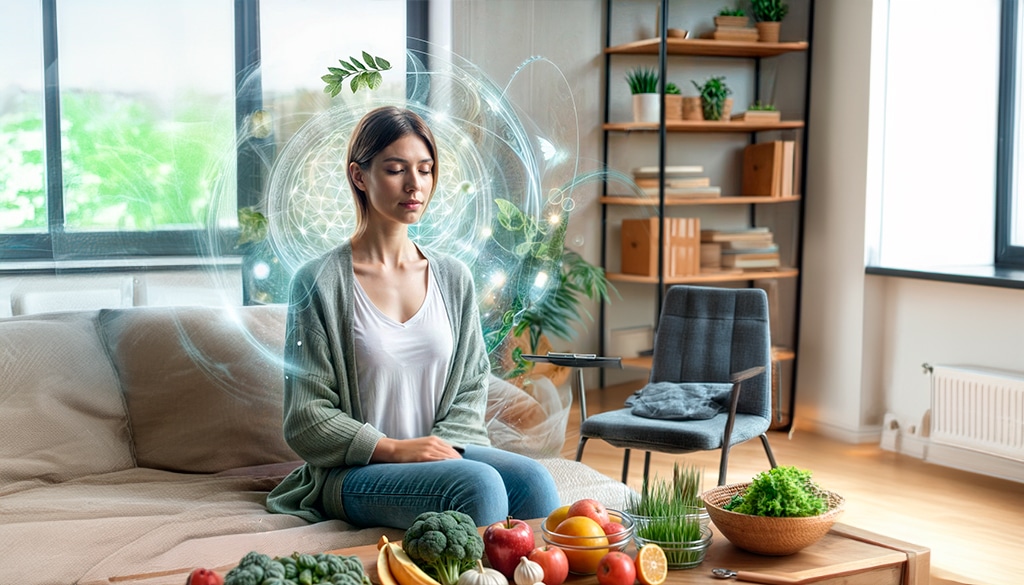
{"type": "Point", "coordinates": [577, 361]}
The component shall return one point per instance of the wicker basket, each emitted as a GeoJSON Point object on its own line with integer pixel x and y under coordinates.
{"type": "Point", "coordinates": [766, 535]}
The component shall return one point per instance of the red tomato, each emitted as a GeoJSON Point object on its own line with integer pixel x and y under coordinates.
{"type": "Point", "coordinates": [616, 568]}
{"type": "Point", "coordinates": [204, 577]}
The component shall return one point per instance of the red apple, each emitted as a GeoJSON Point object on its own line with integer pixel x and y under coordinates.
{"type": "Point", "coordinates": [506, 542]}
{"type": "Point", "coordinates": [611, 528]}
{"type": "Point", "coordinates": [204, 577]}
{"type": "Point", "coordinates": [616, 568]}
{"type": "Point", "coordinates": [554, 562]}
{"type": "Point", "coordinates": [591, 509]}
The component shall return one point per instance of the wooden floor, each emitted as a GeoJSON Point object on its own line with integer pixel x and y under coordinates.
{"type": "Point", "coordinates": [973, 524]}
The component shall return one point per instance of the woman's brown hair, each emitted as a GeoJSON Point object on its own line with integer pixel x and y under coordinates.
{"type": "Point", "coordinates": [375, 132]}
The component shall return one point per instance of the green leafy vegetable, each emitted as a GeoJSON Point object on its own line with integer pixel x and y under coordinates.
{"type": "Point", "coordinates": [298, 569]}
{"type": "Point", "coordinates": [783, 492]}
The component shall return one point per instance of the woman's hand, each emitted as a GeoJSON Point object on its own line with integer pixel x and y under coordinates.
{"type": "Point", "coordinates": [429, 448]}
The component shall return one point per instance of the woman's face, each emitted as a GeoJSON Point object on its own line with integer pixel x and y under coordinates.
{"type": "Point", "coordinates": [398, 181]}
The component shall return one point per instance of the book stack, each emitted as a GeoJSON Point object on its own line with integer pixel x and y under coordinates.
{"type": "Point", "coordinates": [769, 169]}
{"type": "Point", "coordinates": [748, 249]}
{"type": "Point", "coordinates": [682, 181]}
{"type": "Point", "coordinates": [732, 28]}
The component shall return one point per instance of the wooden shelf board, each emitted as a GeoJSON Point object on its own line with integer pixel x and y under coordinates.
{"type": "Point", "coordinates": [704, 126]}
{"type": "Point", "coordinates": [670, 201]}
{"type": "Point", "coordinates": [779, 354]}
{"type": "Point", "coordinates": [707, 48]}
{"type": "Point", "coordinates": [707, 277]}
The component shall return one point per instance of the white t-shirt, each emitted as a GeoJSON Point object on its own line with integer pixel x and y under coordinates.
{"type": "Point", "coordinates": [402, 367]}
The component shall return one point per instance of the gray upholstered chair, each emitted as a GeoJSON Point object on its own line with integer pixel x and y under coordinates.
{"type": "Point", "coordinates": [705, 335]}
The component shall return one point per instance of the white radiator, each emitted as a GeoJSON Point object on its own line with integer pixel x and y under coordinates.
{"type": "Point", "coordinates": [978, 409]}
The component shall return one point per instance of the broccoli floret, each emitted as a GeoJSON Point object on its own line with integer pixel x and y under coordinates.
{"type": "Point", "coordinates": [445, 544]}
{"type": "Point", "coordinates": [250, 570]}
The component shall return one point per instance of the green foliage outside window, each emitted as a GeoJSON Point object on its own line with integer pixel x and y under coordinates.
{"type": "Point", "coordinates": [125, 166]}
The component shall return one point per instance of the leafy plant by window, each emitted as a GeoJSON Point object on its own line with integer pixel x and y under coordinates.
{"type": "Point", "coordinates": [760, 107]}
{"type": "Point", "coordinates": [642, 80]}
{"type": "Point", "coordinates": [712, 97]}
{"type": "Point", "coordinates": [672, 89]}
{"type": "Point", "coordinates": [731, 12]}
{"type": "Point", "coordinates": [769, 10]}
{"type": "Point", "coordinates": [364, 74]}
{"type": "Point", "coordinates": [526, 248]}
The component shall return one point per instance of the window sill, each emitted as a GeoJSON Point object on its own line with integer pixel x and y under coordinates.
{"type": "Point", "coordinates": [978, 275]}
{"type": "Point", "coordinates": [118, 264]}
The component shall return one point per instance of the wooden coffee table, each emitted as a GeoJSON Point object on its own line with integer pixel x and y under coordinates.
{"type": "Point", "coordinates": [846, 556]}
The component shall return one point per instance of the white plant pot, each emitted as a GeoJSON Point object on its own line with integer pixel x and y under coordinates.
{"type": "Point", "coordinates": [646, 108]}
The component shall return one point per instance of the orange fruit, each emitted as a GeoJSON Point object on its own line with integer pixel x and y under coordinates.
{"type": "Point", "coordinates": [585, 543]}
{"type": "Point", "coordinates": [555, 518]}
{"type": "Point", "coordinates": [651, 564]}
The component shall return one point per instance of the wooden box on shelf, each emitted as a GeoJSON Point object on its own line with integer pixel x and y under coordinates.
{"type": "Point", "coordinates": [681, 246]}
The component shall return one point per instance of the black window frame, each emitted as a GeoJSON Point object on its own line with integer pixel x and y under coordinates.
{"type": "Point", "coordinates": [39, 247]}
{"type": "Point", "coordinates": [1006, 254]}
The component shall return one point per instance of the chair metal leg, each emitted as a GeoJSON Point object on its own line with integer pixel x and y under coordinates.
{"type": "Point", "coordinates": [723, 466]}
{"type": "Point", "coordinates": [768, 450]}
{"type": "Point", "coordinates": [579, 448]}
{"type": "Point", "coordinates": [625, 465]}
{"type": "Point", "coordinates": [647, 465]}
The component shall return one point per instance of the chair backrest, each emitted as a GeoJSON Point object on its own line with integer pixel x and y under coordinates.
{"type": "Point", "coordinates": [705, 334]}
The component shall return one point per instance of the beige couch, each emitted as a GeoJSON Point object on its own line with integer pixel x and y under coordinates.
{"type": "Point", "coordinates": [146, 439]}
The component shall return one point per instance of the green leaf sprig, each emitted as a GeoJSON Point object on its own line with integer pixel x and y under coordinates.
{"type": "Point", "coordinates": [365, 73]}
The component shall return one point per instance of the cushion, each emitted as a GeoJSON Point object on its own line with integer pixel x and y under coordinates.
{"type": "Point", "coordinates": [681, 400]}
{"type": "Point", "coordinates": [203, 385]}
{"type": "Point", "coordinates": [61, 412]}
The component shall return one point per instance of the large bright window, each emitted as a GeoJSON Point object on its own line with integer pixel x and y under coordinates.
{"type": "Point", "coordinates": [119, 118]}
{"type": "Point", "coordinates": [146, 110]}
{"type": "Point", "coordinates": [1010, 229]}
{"type": "Point", "coordinates": [22, 154]}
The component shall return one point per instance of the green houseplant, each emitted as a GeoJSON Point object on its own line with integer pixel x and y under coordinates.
{"type": "Point", "coordinates": [526, 248]}
{"type": "Point", "coordinates": [731, 17]}
{"type": "Point", "coordinates": [714, 98]}
{"type": "Point", "coordinates": [643, 84]}
{"type": "Point", "coordinates": [768, 15]}
{"type": "Point", "coordinates": [673, 102]}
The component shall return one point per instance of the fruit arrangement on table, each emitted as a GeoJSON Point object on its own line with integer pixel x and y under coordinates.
{"type": "Point", "coordinates": [446, 548]}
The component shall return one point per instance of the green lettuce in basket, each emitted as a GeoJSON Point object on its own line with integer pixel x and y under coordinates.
{"type": "Point", "coordinates": [782, 492]}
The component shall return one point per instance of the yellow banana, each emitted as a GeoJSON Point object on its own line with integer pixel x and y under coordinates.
{"type": "Point", "coordinates": [383, 571]}
{"type": "Point", "coordinates": [403, 569]}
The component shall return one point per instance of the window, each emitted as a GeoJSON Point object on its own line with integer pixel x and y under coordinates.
{"type": "Point", "coordinates": [1010, 204]}
{"type": "Point", "coordinates": [115, 132]}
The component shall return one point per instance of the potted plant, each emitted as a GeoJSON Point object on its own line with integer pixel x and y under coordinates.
{"type": "Point", "coordinates": [714, 98]}
{"type": "Point", "coordinates": [671, 514]}
{"type": "Point", "coordinates": [768, 15]}
{"type": "Point", "coordinates": [759, 112]}
{"type": "Point", "coordinates": [673, 102]}
{"type": "Point", "coordinates": [643, 84]}
{"type": "Point", "coordinates": [527, 247]}
{"type": "Point", "coordinates": [731, 18]}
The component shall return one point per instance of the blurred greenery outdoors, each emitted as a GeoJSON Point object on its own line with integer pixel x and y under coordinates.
{"type": "Point", "coordinates": [125, 166]}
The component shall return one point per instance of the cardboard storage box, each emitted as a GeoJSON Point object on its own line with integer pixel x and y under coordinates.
{"type": "Point", "coordinates": [640, 246]}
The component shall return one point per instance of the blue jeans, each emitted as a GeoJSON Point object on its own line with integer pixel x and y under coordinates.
{"type": "Point", "coordinates": [487, 483]}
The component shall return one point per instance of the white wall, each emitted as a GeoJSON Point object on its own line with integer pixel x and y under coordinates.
{"type": "Point", "coordinates": [829, 375]}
